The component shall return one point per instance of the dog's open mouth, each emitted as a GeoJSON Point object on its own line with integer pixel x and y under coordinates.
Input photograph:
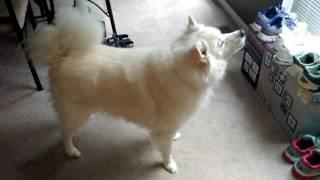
{"type": "Point", "coordinates": [243, 42]}
{"type": "Point", "coordinates": [242, 45]}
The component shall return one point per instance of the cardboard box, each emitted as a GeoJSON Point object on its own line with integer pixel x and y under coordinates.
{"type": "Point", "coordinates": [251, 64]}
{"type": "Point", "coordinates": [297, 109]}
{"type": "Point", "coordinates": [258, 45]}
{"type": "Point", "coordinates": [252, 58]}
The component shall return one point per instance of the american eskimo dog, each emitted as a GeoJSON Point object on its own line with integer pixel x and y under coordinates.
{"type": "Point", "coordinates": [158, 88]}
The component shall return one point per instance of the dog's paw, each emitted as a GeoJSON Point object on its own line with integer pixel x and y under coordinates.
{"type": "Point", "coordinates": [177, 136]}
{"type": "Point", "coordinates": [73, 152]}
{"type": "Point", "coordinates": [171, 167]}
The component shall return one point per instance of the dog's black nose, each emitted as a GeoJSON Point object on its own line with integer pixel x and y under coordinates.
{"type": "Point", "coordinates": [242, 33]}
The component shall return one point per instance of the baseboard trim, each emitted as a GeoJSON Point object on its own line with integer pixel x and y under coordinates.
{"type": "Point", "coordinates": [233, 15]}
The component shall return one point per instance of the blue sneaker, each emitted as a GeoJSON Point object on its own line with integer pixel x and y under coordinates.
{"type": "Point", "coordinates": [270, 31]}
{"type": "Point", "coordinates": [287, 20]}
{"type": "Point", "coordinates": [273, 28]}
{"type": "Point", "coordinates": [268, 23]}
{"type": "Point", "coordinates": [265, 17]}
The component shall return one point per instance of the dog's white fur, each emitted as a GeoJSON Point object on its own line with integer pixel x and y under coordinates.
{"type": "Point", "coordinates": [158, 88]}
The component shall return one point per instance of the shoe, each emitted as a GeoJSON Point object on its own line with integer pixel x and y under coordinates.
{"type": "Point", "coordinates": [273, 28]}
{"type": "Point", "coordinates": [289, 22]}
{"type": "Point", "coordinates": [265, 17]}
{"type": "Point", "coordinates": [283, 56]}
{"type": "Point", "coordinates": [310, 78]}
{"type": "Point", "coordinates": [266, 38]}
{"type": "Point", "coordinates": [268, 23]}
{"type": "Point", "coordinates": [270, 31]}
{"type": "Point", "coordinates": [307, 70]}
{"type": "Point", "coordinates": [308, 166]}
{"type": "Point", "coordinates": [308, 59]}
{"type": "Point", "coordinates": [301, 63]}
{"type": "Point", "coordinates": [299, 147]}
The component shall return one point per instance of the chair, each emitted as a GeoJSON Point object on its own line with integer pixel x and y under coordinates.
{"type": "Point", "coordinates": [46, 11]}
{"type": "Point", "coordinates": [116, 40]}
{"type": "Point", "coordinates": [19, 11]}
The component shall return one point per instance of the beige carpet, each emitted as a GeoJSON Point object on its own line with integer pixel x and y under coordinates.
{"type": "Point", "coordinates": [234, 137]}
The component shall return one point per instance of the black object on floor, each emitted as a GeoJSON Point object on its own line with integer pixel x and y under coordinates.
{"type": "Point", "coordinates": [116, 40]}
{"type": "Point", "coordinates": [121, 40]}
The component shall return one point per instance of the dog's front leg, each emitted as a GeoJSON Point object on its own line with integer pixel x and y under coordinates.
{"type": "Point", "coordinates": [164, 143]}
{"type": "Point", "coordinates": [177, 136]}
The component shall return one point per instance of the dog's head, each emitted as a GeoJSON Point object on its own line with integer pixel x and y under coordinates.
{"type": "Point", "coordinates": [198, 66]}
{"type": "Point", "coordinates": [222, 45]}
{"type": "Point", "coordinates": [211, 49]}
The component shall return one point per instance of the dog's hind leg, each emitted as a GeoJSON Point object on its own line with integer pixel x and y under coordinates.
{"type": "Point", "coordinates": [163, 140]}
{"type": "Point", "coordinates": [73, 118]}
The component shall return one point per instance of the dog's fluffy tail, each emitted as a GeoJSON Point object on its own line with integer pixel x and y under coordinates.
{"type": "Point", "coordinates": [74, 33]}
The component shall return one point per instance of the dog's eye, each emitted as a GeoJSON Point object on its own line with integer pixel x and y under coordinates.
{"type": "Point", "coordinates": [220, 43]}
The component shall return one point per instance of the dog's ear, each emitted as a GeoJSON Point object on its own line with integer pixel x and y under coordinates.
{"type": "Point", "coordinates": [192, 24]}
{"type": "Point", "coordinates": [200, 52]}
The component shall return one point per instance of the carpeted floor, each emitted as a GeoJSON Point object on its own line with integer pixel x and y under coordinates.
{"type": "Point", "coordinates": [234, 137]}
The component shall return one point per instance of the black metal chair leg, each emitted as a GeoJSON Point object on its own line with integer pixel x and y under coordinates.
{"type": "Point", "coordinates": [31, 16]}
{"type": "Point", "coordinates": [117, 40]}
{"type": "Point", "coordinates": [52, 9]}
{"type": "Point", "coordinates": [14, 19]}
{"type": "Point", "coordinates": [32, 70]}
{"type": "Point", "coordinates": [47, 12]}
{"type": "Point", "coordinates": [40, 4]}
{"type": "Point", "coordinates": [34, 74]}
{"type": "Point", "coordinates": [19, 32]}
{"type": "Point", "coordinates": [108, 5]}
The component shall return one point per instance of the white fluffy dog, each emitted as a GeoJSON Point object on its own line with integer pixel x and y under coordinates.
{"type": "Point", "coordinates": [158, 88]}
